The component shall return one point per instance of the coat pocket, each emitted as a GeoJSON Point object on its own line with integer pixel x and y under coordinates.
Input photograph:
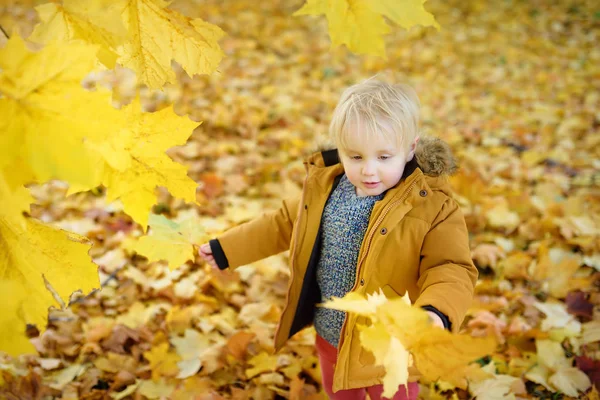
{"type": "Point", "coordinates": [365, 356]}
{"type": "Point", "coordinates": [389, 292]}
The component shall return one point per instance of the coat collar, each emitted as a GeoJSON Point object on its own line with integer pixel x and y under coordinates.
{"type": "Point", "coordinates": [433, 161]}
{"type": "Point", "coordinates": [433, 156]}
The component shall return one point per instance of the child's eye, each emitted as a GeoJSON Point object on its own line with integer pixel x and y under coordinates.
{"type": "Point", "coordinates": [384, 157]}
{"type": "Point", "coordinates": [356, 157]}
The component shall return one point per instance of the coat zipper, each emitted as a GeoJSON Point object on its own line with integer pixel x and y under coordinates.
{"type": "Point", "coordinates": [369, 238]}
{"type": "Point", "coordinates": [293, 252]}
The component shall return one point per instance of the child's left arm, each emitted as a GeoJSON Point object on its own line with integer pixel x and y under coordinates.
{"type": "Point", "coordinates": [447, 275]}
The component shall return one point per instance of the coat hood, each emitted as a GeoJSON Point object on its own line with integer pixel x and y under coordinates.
{"type": "Point", "coordinates": [433, 156]}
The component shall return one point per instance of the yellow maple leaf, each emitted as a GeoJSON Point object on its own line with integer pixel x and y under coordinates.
{"type": "Point", "coordinates": [96, 22]}
{"type": "Point", "coordinates": [195, 350]}
{"type": "Point", "coordinates": [158, 35]}
{"type": "Point", "coordinates": [398, 327]}
{"type": "Point", "coordinates": [390, 353]}
{"type": "Point", "coordinates": [169, 240]}
{"type": "Point", "coordinates": [359, 24]}
{"type": "Point", "coordinates": [32, 254]}
{"type": "Point", "coordinates": [144, 34]}
{"type": "Point", "coordinates": [441, 354]}
{"type": "Point", "coordinates": [136, 162]}
{"type": "Point", "coordinates": [162, 362]}
{"type": "Point", "coordinates": [45, 114]}
{"type": "Point", "coordinates": [262, 362]}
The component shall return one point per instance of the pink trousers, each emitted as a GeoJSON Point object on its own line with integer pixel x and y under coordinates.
{"type": "Point", "coordinates": [328, 357]}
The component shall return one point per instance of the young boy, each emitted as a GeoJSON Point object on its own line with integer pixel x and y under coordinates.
{"type": "Point", "coordinates": [375, 213]}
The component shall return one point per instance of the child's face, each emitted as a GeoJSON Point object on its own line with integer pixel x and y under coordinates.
{"type": "Point", "coordinates": [374, 166]}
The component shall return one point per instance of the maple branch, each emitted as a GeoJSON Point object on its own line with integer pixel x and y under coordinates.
{"type": "Point", "coordinates": [4, 32]}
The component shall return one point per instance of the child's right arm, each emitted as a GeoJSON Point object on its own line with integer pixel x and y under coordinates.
{"type": "Point", "coordinates": [254, 240]}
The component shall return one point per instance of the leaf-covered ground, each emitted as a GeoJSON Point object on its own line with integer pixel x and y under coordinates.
{"type": "Point", "coordinates": [513, 86]}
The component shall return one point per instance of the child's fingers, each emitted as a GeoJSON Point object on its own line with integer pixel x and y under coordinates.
{"type": "Point", "coordinates": [205, 248]}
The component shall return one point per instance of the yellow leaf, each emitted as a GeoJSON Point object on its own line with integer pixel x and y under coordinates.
{"type": "Point", "coordinates": [158, 35]}
{"type": "Point", "coordinates": [354, 24]}
{"type": "Point", "coordinates": [192, 348]}
{"type": "Point", "coordinates": [437, 352]}
{"type": "Point", "coordinates": [138, 314]}
{"type": "Point", "coordinates": [12, 308]}
{"type": "Point", "coordinates": [60, 379]}
{"type": "Point", "coordinates": [441, 354]}
{"type": "Point", "coordinates": [591, 332]}
{"type": "Point", "coordinates": [155, 389]}
{"type": "Point", "coordinates": [551, 354]}
{"type": "Point", "coordinates": [353, 302]}
{"type": "Point", "coordinates": [262, 362]}
{"type": "Point", "coordinates": [359, 24]}
{"type": "Point", "coordinates": [570, 381]}
{"type": "Point", "coordinates": [406, 14]}
{"type": "Point", "coordinates": [192, 387]}
{"type": "Point", "coordinates": [555, 372]}
{"type": "Point", "coordinates": [30, 253]}
{"type": "Point", "coordinates": [45, 113]}
{"type": "Point", "coordinates": [162, 362]}
{"type": "Point", "coordinates": [497, 386]}
{"type": "Point", "coordinates": [169, 241]}
{"type": "Point", "coordinates": [91, 21]}
{"type": "Point", "coordinates": [114, 362]}
{"type": "Point", "coordinates": [136, 162]}
{"type": "Point", "coordinates": [557, 316]}
{"type": "Point", "coordinates": [390, 353]}
{"type": "Point", "coordinates": [125, 392]}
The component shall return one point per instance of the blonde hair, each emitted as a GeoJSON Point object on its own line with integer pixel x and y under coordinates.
{"type": "Point", "coordinates": [375, 106]}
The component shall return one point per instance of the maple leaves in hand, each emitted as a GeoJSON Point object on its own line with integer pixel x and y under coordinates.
{"type": "Point", "coordinates": [399, 332]}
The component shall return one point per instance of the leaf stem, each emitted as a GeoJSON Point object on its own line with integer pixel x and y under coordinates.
{"type": "Point", "coordinates": [4, 32]}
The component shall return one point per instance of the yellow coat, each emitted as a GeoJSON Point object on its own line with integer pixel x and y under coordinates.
{"type": "Point", "coordinates": [416, 241]}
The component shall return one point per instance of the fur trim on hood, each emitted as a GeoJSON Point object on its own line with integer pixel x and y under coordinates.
{"type": "Point", "coordinates": [433, 155]}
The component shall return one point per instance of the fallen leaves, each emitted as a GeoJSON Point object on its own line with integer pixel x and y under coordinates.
{"type": "Point", "coordinates": [555, 372]}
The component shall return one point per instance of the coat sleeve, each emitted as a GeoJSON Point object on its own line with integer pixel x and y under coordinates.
{"type": "Point", "coordinates": [259, 238]}
{"type": "Point", "coordinates": [447, 275]}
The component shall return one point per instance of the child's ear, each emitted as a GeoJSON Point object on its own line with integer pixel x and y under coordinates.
{"type": "Point", "coordinates": [413, 148]}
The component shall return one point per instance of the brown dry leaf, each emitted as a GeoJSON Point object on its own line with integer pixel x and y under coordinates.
{"type": "Point", "coordinates": [485, 323]}
{"type": "Point", "coordinates": [238, 344]}
{"type": "Point", "coordinates": [113, 362]}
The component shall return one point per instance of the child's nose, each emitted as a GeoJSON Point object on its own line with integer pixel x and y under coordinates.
{"type": "Point", "coordinates": [368, 169]}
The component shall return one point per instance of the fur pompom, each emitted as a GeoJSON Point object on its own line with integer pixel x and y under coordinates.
{"type": "Point", "coordinates": [435, 157]}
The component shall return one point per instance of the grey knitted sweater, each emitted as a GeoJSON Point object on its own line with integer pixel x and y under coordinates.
{"type": "Point", "coordinates": [344, 224]}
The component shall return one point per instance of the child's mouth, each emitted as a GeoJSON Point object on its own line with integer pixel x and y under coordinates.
{"type": "Point", "coordinates": [370, 185]}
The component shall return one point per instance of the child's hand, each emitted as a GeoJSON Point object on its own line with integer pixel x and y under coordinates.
{"type": "Point", "coordinates": [435, 319]}
{"type": "Point", "coordinates": [206, 253]}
